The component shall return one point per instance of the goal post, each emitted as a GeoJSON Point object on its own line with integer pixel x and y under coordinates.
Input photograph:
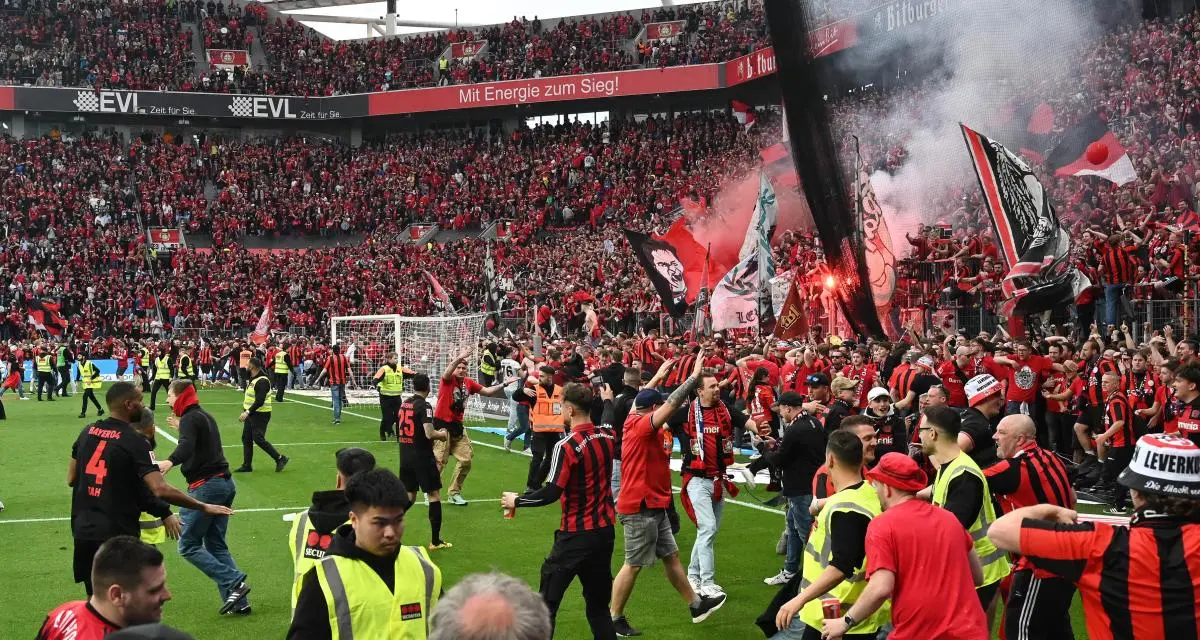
{"type": "Point", "coordinates": [427, 345]}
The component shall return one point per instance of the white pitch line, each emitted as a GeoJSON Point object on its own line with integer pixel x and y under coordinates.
{"type": "Point", "coordinates": [170, 438]}
{"type": "Point", "coordinates": [750, 505]}
{"type": "Point", "coordinates": [313, 444]}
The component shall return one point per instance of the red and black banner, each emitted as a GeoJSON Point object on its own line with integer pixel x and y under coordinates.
{"type": "Point", "coordinates": [1090, 149]}
{"type": "Point", "coordinates": [664, 268]}
{"type": "Point", "coordinates": [46, 316]}
{"type": "Point", "coordinates": [1035, 247]}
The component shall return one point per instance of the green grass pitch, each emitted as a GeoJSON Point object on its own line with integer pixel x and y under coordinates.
{"type": "Point", "coordinates": [35, 564]}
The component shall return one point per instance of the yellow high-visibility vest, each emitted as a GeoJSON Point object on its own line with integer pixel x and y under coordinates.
{"type": "Point", "coordinates": [818, 553]}
{"type": "Point", "coordinates": [248, 397]}
{"type": "Point", "coordinates": [162, 368]}
{"type": "Point", "coordinates": [308, 548]}
{"type": "Point", "coordinates": [153, 531]}
{"type": "Point", "coordinates": [392, 383]}
{"type": "Point", "coordinates": [281, 362]}
{"type": "Point", "coordinates": [361, 606]}
{"type": "Point", "coordinates": [43, 364]}
{"type": "Point", "coordinates": [995, 562]}
{"type": "Point", "coordinates": [90, 375]}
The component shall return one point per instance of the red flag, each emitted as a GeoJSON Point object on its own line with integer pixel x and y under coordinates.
{"type": "Point", "coordinates": [692, 255]}
{"type": "Point", "coordinates": [46, 316]}
{"type": "Point", "coordinates": [262, 330]}
{"type": "Point", "coordinates": [439, 293]}
{"type": "Point", "coordinates": [792, 322]}
{"type": "Point", "coordinates": [744, 113]}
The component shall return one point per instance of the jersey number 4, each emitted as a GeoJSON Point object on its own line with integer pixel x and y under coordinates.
{"type": "Point", "coordinates": [407, 427]}
{"type": "Point", "coordinates": [97, 468]}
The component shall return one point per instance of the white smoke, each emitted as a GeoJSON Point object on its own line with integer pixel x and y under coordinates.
{"type": "Point", "coordinates": [994, 53]}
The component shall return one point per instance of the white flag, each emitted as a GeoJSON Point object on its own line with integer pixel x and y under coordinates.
{"type": "Point", "coordinates": [758, 242]}
{"type": "Point", "coordinates": [735, 299]}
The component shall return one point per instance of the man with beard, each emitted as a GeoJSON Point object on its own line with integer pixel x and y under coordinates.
{"type": "Point", "coordinates": [863, 373]}
{"type": "Point", "coordinates": [130, 589]}
{"type": "Point", "coordinates": [888, 425]}
{"type": "Point", "coordinates": [1026, 372]}
{"type": "Point", "coordinates": [1141, 385]}
{"type": "Point", "coordinates": [451, 408]}
{"type": "Point", "coordinates": [986, 400]}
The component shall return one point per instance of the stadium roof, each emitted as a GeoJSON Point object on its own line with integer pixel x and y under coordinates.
{"type": "Point", "coordinates": [347, 19]}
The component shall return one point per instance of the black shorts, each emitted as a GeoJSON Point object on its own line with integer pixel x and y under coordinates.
{"type": "Point", "coordinates": [122, 369]}
{"type": "Point", "coordinates": [419, 470]}
{"type": "Point", "coordinates": [455, 429]}
{"type": "Point", "coordinates": [85, 553]}
{"type": "Point", "coordinates": [1093, 417]}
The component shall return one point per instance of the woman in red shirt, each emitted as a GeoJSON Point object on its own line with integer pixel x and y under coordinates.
{"type": "Point", "coordinates": [760, 395]}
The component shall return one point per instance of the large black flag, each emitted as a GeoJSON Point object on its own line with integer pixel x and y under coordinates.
{"type": "Point", "coordinates": [815, 154]}
{"type": "Point", "coordinates": [1035, 247]}
{"type": "Point", "coordinates": [45, 316]}
{"type": "Point", "coordinates": [664, 268]}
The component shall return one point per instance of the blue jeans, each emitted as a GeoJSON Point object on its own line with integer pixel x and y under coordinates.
{"type": "Point", "coordinates": [708, 519]}
{"type": "Point", "coordinates": [518, 423]}
{"type": "Point", "coordinates": [297, 376]}
{"type": "Point", "coordinates": [338, 391]}
{"type": "Point", "coordinates": [615, 483]}
{"type": "Point", "coordinates": [799, 525]}
{"type": "Point", "coordinates": [1112, 301]}
{"type": "Point", "coordinates": [202, 542]}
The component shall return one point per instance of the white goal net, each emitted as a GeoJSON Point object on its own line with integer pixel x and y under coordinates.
{"type": "Point", "coordinates": [427, 345]}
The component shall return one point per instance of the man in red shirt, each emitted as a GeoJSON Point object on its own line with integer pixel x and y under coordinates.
{"type": "Point", "coordinates": [1115, 443]}
{"type": "Point", "coordinates": [451, 406]}
{"type": "Point", "coordinates": [1026, 371]}
{"type": "Point", "coordinates": [644, 499]}
{"type": "Point", "coordinates": [954, 374]}
{"type": "Point", "coordinates": [130, 588]}
{"type": "Point", "coordinates": [900, 566]}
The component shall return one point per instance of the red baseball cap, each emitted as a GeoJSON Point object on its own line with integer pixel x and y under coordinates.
{"type": "Point", "coordinates": [899, 471]}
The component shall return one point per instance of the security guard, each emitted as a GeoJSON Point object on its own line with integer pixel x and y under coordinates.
{"type": "Point", "coordinates": [89, 374]}
{"type": "Point", "coordinates": [62, 366]}
{"type": "Point", "coordinates": [547, 421]}
{"type": "Point", "coordinates": [256, 415]}
{"type": "Point", "coordinates": [389, 380]}
{"type": "Point", "coordinates": [45, 373]}
{"type": "Point", "coordinates": [154, 523]}
{"type": "Point", "coordinates": [313, 528]}
{"type": "Point", "coordinates": [835, 556]}
{"type": "Point", "coordinates": [187, 366]}
{"type": "Point", "coordinates": [961, 488]}
{"type": "Point", "coordinates": [369, 585]}
{"type": "Point", "coordinates": [162, 376]}
{"type": "Point", "coordinates": [488, 363]}
{"type": "Point", "coordinates": [283, 366]}
{"type": "Point", "coordinates": [144, 367]}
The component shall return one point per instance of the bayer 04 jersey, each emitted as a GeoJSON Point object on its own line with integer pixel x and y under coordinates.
{"type": "Point", "coordinates": [110, 461]}
{"type": "Point", "coordinates": [414, 413]}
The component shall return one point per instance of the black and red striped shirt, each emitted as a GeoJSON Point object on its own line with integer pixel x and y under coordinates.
{"type": "Point", "coordinates": [1118, 265]}
{"type": "Point", "coordinates": [1116, 409]}
{"type": "Point", "coordinates": [581, 466]}
{"type": "Point", "coordinates": [681, 371]}
{"type": "Point", "coordinates": [1140, 582]}
{"type": "Point", "coordinates": [296, 354]}
{"type": "Point", "coordinates": [1095, 374]}
{"type": "Point", "coordinates": [1032, 476]}
{"type": "Point", "coordinates": [336, 366]}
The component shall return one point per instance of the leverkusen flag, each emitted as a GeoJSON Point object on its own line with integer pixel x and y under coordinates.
{"type": "Point", "coordinates": [46, 316]}
{"type": "Point", "coordinates": [792, 322]}
{"type": "Point", "coordinates": [1069, 158]}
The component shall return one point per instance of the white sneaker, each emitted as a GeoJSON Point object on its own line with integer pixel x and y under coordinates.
{"type": "Point", "coordinates": [458, 500]}
{"type": "Point", "coordinates": [779, 579]}
{"type": "Point", "coordinates": [711, 590]}
{"type": "Point", "coordinates": [755, 456]}
{"type": "Point", "coordinates": [695, 582]}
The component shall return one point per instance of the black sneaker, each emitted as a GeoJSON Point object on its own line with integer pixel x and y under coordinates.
{"type": "Point", "coordinates": [708, 604]}
{"type": "Point", "coordinates": [237, 594]}
{"type": "Point", "coordinates": [83, 415]}
{"type": "Point", "coordinates": [243, 469]}
{"type": "Point", "coordinates": [100, 413]}
{"type": "Point", "coordinates": [244, 611]}
{"type": "Point", "coordinates": [281, 463]}
{"type": "Point", "coordinates": [621, 625]}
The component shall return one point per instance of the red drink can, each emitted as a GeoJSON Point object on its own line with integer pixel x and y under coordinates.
{"type": "Point", "coordinates": [509, 514]}
{"type": "Point", "coordinates": [831, 608]}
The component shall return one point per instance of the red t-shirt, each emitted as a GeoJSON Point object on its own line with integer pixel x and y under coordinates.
{"type": "Point", "coordinates": [1060, 386]}
{"type": "Point", "coordinates": [899, 541]}
{"type": "Point", "coordinates": [1025, 379]}
{"type": "Point", "coordinates": [865, 375]}
{"type": "Point", "coordinates": [955, 384]}
{"type": "Point", "coordinates": [452, 398]}
{"type": "Point", "coordinates": [645, 465]}
{"type": "Point", "coordinates": [75, 621]}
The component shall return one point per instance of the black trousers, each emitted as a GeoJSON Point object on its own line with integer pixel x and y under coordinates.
{"type": "Point", "coordinates": [1038, 608]}
{"type": "Point", "coordinates": [1061, 429]}
{"type": "Point", "coordinates": [243, 377]}
{"type": "Point", "coordinates": [588, 556]}
{"type": "Point", "coordinates": [45, 381]}
{"type": "Point", "coordinates": [280, 385]}
{"type": "Point", "coordinates": [1118, 459]}
{"type": "Point", "coordinates": [90, 394]}
{"type": "Point", "coordinates": [158, 384]}
{"type": "Point", "coordinates": [145, 380]}
{"type": "Point", "coordinates": [389, 406]}
{"type": "Point", "coordinates": [64, 376]}
{"type": "Point", "coordinates": [539, 464]}
{"type": "Point", "coordinates": [254, 432]}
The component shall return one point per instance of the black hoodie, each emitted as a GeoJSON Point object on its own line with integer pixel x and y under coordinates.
{"type": "Point", "coordinates": [311, 621]}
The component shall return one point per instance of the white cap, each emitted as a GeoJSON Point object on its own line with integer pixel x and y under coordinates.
{"type": "Point", "coordinates": [980, 388]}
{"type": "Point", "coordinates": [1164, 464]}
{"type": "Point", "coordinates": [878, 392]}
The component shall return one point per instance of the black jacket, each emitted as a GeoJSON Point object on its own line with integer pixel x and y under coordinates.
{"type": "Point", "coordinates": [800, 453]}
{"type": "Point", "coordinates": [311, 621]}
{"type": "Point", "coordinates": [198, 452]}
{"type": "Point", "coordinates": [981, 430]}
{"type": "Point", "coordinates": [329, 510]}
{"type": "Point", "coordinates": [838, 410]}
{"type": "Point", "coordinates": [616, 412]}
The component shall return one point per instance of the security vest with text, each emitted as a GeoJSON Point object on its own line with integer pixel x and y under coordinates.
{"type": "Point", "coordinates": [818, 553]}
{"type": "Point", "coordinates": [162, 368]}
{"type": "Point", "coordinates": [43, 364]}
{"type": "Point", "coordinates": [995, 562]}
{"type": "Point", "coordinates": [392, 383]}
{"type": "Point", "coordinates": [281, 362]}
{"type": "Point", "coordinates": [546, 416]}
{"type": "Point", "coordinates": [361, 606]}
{"type": "Point", "coordinates": [308, 548]}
